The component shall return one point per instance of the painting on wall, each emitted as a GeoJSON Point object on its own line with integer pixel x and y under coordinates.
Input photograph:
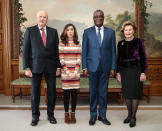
{"type": "Point", "coordinates": [79, 13]}
{"type": "Point", "coordinates": [153, 35]}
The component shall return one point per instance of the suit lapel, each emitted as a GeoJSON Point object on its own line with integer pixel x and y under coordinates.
{"type": "Point", "coordinates": [38, 35]}
{"type": "Point", "coordinates": [106, 34]}
{"type": "Point", "coordinates": [47, 36]}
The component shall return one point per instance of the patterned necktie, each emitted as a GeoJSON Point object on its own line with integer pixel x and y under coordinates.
{"type": "Point", "coordinates": [43, 37]}
{"type": "Point", "coordinates": [99, 35]}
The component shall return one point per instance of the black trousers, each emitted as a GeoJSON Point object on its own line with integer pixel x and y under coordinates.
{"type": "Point", "coordinates": [51, 93]}
{"type": "Point", "coordinates": [67, 94]}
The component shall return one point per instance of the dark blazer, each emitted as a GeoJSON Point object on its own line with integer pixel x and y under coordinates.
{"type": "Point", "coordinates": [92, 53]}
{"type": "Point", "coordinates": [35, 55]}
{"type": "Point", "coordinates": [132, 52]}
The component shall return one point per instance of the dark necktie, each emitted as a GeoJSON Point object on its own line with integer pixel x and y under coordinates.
{"type": "Point", "coordinates": [99, 35]}
{"type": "Point", "coordinates": [43, 36]}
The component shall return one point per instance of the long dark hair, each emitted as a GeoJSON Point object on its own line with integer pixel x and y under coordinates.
{"type": "Point", "coordinates": [64, 37]}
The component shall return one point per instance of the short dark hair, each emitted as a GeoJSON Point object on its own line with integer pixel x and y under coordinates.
{"type": "Point", "coordinates": [64, 37]}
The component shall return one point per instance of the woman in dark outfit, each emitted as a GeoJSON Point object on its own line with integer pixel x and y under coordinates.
{"type": "Point", "coordinates": [131, 69]}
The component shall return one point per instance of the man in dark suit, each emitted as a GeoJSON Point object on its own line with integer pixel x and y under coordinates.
{"type": "Point", "coordinates": [99, 60]}
{"type": "Point", "coordinates": [40, 56]}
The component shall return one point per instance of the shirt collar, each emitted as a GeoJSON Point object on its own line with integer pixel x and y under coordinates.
{"type": "Point", "coordinates": [100, 27]}
{"type": "Point", "coordinates": [41, 27]}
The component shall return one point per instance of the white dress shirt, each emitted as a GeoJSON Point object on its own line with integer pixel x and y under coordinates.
{"type": "Point", "coordinates": [101, 32]}
{"type": "Point", "coordinates": [45, 30]}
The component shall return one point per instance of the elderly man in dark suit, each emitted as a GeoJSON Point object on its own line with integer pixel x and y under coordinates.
{"type": "Point", "coordinates": [99, 60]}
{"type": "Point", "coordinates": [40, 56]}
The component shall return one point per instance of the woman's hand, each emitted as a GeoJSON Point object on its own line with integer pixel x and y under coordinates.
{"type": "Point", "coordinates": [142, 77]}
{"type": "Point", "coordinates": [118, 77]}
{"type": "Point", "coordinates": [72, 75]}
{"type": "Point", "coordinates": [62, 62]}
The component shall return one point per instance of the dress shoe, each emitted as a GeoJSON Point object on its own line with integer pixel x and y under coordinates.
{"type": "Point", "coordinates": [132, 122]}
{"type": "Point", "coordinates": [34, 121]}
{"type": "Point", "coordinates": [127, 120]}
{"type": "Point", "coordinates": [104, 121]}
{"type": "Point", "coordinates": [92, 121]}
{"type": "Point", "coordinates": [52, 119]}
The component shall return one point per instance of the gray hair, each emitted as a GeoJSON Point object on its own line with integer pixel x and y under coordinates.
{"type": "Point", "coordinates": [40, 11]}
{"type": "Point", "coordinates": [98, 11]}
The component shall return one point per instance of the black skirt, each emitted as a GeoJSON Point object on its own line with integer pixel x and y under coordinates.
{"type": "Point", "coordinates": [131, 85]}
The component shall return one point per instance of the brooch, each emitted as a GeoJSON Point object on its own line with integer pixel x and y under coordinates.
{"type": "Point", "coordinates": [122, 43]}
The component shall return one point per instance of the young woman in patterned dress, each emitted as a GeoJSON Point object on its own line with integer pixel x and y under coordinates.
{"type": "Point", "coordinates": [70, 59]}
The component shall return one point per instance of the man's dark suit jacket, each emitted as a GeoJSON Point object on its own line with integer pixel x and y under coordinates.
{"type": "Point", "coordinates": [35, 55]}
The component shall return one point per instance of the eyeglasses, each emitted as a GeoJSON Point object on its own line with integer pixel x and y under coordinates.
{"type": "Point", "coordinates": [98, 17]}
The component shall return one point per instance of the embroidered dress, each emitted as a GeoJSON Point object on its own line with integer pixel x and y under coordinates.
{"type": "Point", "coordinates": [70, 59]}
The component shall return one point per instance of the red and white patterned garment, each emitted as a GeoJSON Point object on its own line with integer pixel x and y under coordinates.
{"type": "Point", "coordinates": [70, 59]}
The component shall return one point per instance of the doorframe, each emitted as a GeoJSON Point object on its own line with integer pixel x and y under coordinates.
{"type": "Point", "coordinates": [7, 45]}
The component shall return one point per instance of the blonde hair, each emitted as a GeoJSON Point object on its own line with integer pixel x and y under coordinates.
{"type": "Point", "coordinates": [126, 23]}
